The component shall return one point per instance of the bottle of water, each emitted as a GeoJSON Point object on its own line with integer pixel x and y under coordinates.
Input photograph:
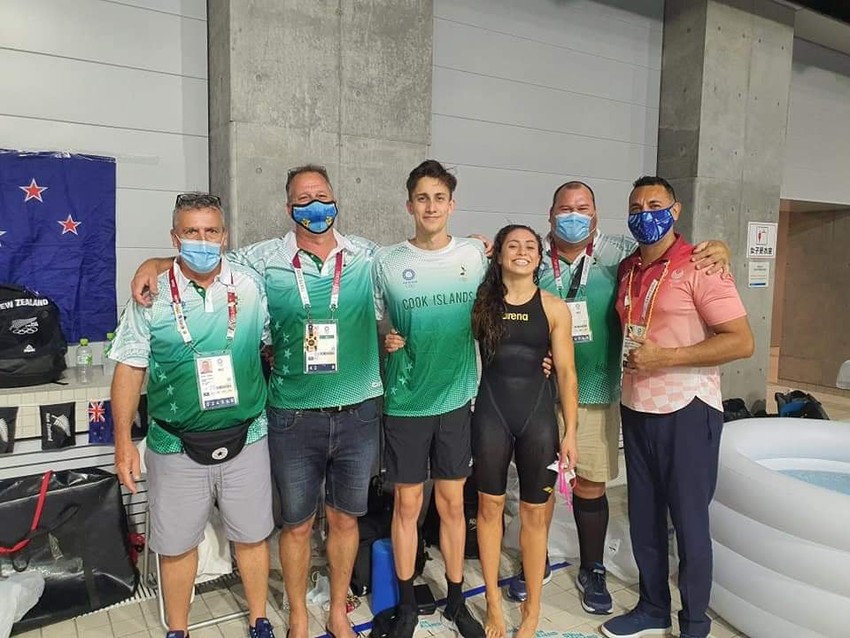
{"type": "Point", "coordinates": [108, 364]}
{"type": "Point", "coordinates": [84, 362]}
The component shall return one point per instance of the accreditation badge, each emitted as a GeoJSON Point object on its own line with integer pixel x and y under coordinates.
{"type": "Point", "coordinates": [631, 333]}
{"type": "Point", "coordinates": [581, 321]}
{"type": "Point", "coordinates": [216, 381]}
{"type": "Point", "coordinates": [321, 346]}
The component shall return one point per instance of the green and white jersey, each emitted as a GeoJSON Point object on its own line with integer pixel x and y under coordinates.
{"type": "Point", "coordinates": [358, 376]}
{"type": "Point", "coordinates": [148, 338]}
{"type": "Point", "coordinates": [428, 295]}
{"type": "Point", "coordinates": [597, 361]}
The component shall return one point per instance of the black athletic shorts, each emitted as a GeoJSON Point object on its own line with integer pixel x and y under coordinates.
{"type": "Point", "coordinates": [422, 447]}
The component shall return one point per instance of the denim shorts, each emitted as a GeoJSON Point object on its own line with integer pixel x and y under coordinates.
{"type": "Point", "coordinates": [308, 447]}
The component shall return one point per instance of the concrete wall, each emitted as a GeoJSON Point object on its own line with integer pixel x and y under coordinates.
{"type": "Point", "coordinates": [815, 336]}
{"type": "Point", "coordinates": [127, 80]}
{"type": "Point", "coordinates": [344, 83]}
{"type": "Point", "coordinates": [726, 74]}
{"type": "Point", "coordinates": [530, 94]}
{"type": "Point", "coordinates": [817, 151]}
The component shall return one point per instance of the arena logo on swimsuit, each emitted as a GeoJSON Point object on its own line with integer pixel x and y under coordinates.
{"type": "Point", "coordinates": [515, 316]}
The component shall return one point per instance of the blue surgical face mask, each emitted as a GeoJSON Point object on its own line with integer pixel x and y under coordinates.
{"type": "Point", "coordinates": [572, 227]}
{"type": "Point", "coordinates": [200, 256]}
{"type": "Point", "coordinates": [649, 226]}
{"type": "Point", "coordinates": [315, 216]}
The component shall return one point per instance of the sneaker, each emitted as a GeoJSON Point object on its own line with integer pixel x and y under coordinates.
{"type": "Point", "coordinates": [261, 629]}
{"type": "Point", "coordinates": [637, 624]}
{"type": "Point", "coordinates": [462, 622]}
{"type": "Point", "coordinates": [405, 623]}
{"type": "Point", "coordinates": [517, 590]}
{"type": "Point", "coordinates": [177, 634]}
{"type": "Point", "coordinates": [595, 598]}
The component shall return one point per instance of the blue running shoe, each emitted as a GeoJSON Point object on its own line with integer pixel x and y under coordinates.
{"type": "Point", "coordinates": [261, 629]}
{"type": "Point", "coordinates": [595, 598]}
{"type": "Point", "coordinates": [637, 624]}
{"type": "Point", "coordinates": [517, 590]}
{"type": "Point", "coordinates": [176, 633]}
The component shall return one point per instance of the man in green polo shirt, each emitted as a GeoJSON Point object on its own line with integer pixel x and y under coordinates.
{"type": "Point", "coordinates": [199, 343]}
{"type": "Point", "coordinates": [323, 418]}
{"type": "Point", "coordinates": [580, 266]}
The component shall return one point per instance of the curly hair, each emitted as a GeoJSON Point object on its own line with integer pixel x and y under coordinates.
{"type": "Point", "coordinates": [489, 306]}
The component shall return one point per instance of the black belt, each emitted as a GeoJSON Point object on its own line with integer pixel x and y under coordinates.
{"type": "Point", "coordinates": [336, 409]}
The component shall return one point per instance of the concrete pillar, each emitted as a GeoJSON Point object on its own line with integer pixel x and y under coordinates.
{"type": "Point", "coordinates": [725, 81]}
{"type": "Point", "coordinates": [344, 83]}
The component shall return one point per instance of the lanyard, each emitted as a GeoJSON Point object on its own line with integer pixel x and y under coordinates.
{"type": "Point", "coordinates": [578, 281]}
{"type": "Point", "coordinates": [649, 300]}
{"type": "Point", "coordinates": [302, 284]}
{"type": "Point", "coordinates": [180, 317]}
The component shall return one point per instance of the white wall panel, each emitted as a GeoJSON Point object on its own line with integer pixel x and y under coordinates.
{"type": "Point", "coordinates": [188, 8]}
{"type": "Point", "coordinates": [527, 192]}
{"type": "Point", "coordinates": [529, 95]}
{"type": "Point", "coordinates": [585, 26]}
{"type": "Point", "coordinates": [111, 34]}
{"type": "Point", "coordinates": [817, 146]}
{"type": "Point", "coordinates": [505, 146]}
{"type": "Point", "coordinates": [92, 93]}
{"type": "Point", "coordinates": [478, 97]}
{"type": "Point", "coordinates": [161, 161]}
{"type": "Point", "coordinates": [476, 50]}
{"type": "Point", "coordinates": [144, 218]}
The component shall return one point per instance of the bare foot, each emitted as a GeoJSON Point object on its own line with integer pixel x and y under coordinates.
{"type": "Point", "coordinates": [494, 626]}
{"type": "Point", "coordinates": [528, 626]}
{"type": "Point", "coordinates": [339, 625]}
{"type": "Point", "coordinates": [298, 626]}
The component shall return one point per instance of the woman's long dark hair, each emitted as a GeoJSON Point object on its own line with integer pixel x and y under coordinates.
{"type": "Point", "coordinates": [489, 307]}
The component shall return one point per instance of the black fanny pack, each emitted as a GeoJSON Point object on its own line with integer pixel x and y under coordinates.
{"type": "Point", "coordinates": [214, 446]}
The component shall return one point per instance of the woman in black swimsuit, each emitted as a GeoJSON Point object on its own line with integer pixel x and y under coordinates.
{"type": "Point", "coordinates": [517, 325]}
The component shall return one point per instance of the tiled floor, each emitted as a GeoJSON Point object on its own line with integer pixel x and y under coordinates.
{"type": "Point", "coordinates": [562, 615]}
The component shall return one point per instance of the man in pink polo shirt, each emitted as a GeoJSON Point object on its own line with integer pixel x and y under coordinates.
{"type": "Point", "coordinates": [678, 326]}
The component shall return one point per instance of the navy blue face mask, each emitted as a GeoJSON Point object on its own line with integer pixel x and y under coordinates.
{"type": "Point", "coordinates": [649, 226]}
{"type": "Point", "coordinates": [316, 216]}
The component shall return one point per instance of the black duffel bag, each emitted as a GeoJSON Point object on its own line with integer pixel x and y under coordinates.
{"type": "Point", "coordinates": [72, 528]}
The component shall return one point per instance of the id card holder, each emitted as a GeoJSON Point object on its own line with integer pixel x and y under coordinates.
{"type": "Point", "coordinates": [216, 381]}
{"type": "Point", "coordinates": [632, 332]}
{"type": "Point", "coordinates": [321, 347]}
{"type": "Point", "coordinates": [581, 321]}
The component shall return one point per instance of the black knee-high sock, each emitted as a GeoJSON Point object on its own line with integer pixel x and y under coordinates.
{"type": "Point", "coordinates": [406, 594]}
{"type": "Point", "coordinates": [591, 515]}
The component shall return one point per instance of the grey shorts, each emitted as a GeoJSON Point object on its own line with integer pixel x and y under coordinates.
{"type": "Point", "coordinates": [181, 494]}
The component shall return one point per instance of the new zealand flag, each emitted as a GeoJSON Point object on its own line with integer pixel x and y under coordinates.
{"type": "Point", "coordinates": [57, 235]}
{"type": "Point", "coordinates": [101, 427]}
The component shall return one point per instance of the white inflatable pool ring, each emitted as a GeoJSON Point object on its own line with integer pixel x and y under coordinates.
{"type": "Point", "coordinates": [782, 545]}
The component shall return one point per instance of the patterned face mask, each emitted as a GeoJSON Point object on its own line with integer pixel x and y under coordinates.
{"type": "Point", "coordinates": [315, 216]}
{"type": "Point", "coordinates": [649, 226]}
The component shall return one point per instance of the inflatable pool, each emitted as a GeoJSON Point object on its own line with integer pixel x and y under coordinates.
{"type": "Point", "coordinates": [780, 522]}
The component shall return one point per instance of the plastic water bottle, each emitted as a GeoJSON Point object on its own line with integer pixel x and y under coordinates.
{"type": "Point", "coordinates": [108, 364]}
{"type": "Point", "coordinates": [84, 362]}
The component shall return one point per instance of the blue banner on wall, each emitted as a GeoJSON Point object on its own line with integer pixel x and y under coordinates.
{"type": "Point", "coordinates": [57, 235]}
